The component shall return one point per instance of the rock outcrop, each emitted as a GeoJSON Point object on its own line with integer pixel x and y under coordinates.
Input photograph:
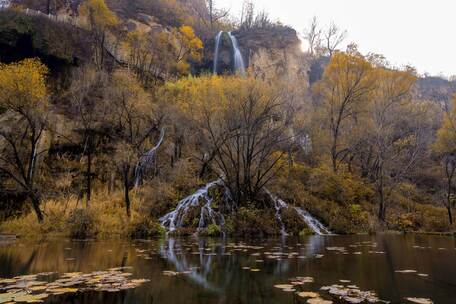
{"type": "Point", "coordinates": [274, 52]}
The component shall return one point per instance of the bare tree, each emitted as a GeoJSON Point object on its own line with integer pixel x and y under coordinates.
{"type": "Point", "coordinates": [334, 36]}
{"type": "Point", "coordinates": [313, 36]}
{"type": "Point", "coordinates": [90, 111]}
{"type": "Point", "coordinates": [215, 14]}
{"type": "Point", "coordinates": [247, 142]}
{"type": "Point", "coordinates": [450, 170]}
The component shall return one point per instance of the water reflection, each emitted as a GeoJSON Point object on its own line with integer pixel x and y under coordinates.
{"type": "Point", "coordinates": [220, 270]}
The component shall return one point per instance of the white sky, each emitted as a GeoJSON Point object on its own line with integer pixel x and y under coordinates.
{"type": "Point", "coordinates": [416, 32]}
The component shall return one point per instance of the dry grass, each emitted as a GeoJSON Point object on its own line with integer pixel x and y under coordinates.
{"type": "Point", "coordinates": [106, 210]}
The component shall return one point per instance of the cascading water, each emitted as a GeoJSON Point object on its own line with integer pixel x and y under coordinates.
{"type": "Point", "coordinates": [218, 39]}
{"type": "Point", "coordinates": [147, 160]}
{"type": "Point", "coordinates": [4, 4]}
{"type": "Point", "coordinates": [278, 205]}
{"type": "Point", "coordinates": [200, 199]}
{"type": "Point", "coordinates": [314, 224]}
{"type": "Point", "coordinates": [239, 65]}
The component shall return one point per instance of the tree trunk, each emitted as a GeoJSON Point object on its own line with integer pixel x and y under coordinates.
{"type": "Point", "coordinates": [35, 199]}
{"type": "Point", "coordinates": [382, 207]}
{"type": "Point", "coordinates": [89, 176]}
{"type": "Point", "coordinates": [450, 216]}
{"type": "Point", "coordinates": [450, 177]}
{"type": "Point", "coordinates": [126, 190]}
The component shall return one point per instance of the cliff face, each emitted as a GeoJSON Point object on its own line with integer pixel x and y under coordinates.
{"type": "Point", "coordinates": [274, 52]}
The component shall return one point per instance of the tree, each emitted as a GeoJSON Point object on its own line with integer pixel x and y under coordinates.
{"type": "Point", "coordinates": [242, 129]}
{"type": "Point", "coordinates": [333, 38]}
{"type": "Point", "coordinates": [149, 55]}
{"type": "Point", "coordinates": [313, 36]}
{"type": "Point", "coordinates": [90, 110]}
{"type": "Point", "coordinates": [134, 124]}
{"type": "Point", "coordinates": [343, 90]}
{"type": "Point", "coordinates": [188, 47]}
{"type": "Point", "coordinates": [395, 134]}
{"type": "Point", "coordinates": [100, 20]}
{"type": "Point", "coordinates": [24, 96]}
{"type": "Point", "coordinates": [445, 148]}
{"type": "Point", "coordinates": [215, 14]}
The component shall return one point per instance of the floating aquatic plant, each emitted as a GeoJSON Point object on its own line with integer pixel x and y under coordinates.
{"type": "Point", "coordinates": [352, 294]}
{"type": "Point", "coordinates": [420, 300]}
{"type": "Point", "coordinates": [26, 289]}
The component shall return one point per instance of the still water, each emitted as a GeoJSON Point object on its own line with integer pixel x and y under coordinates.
{"type": "Point", "coordinates": [239, 271]}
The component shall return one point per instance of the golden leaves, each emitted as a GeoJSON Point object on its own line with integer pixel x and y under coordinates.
{"type": "Point", "coordinates": [23, 84]}
{"type": "Point", "coordinates": [99, 16]}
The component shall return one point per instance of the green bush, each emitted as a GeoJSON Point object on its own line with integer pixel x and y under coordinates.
{"type": "Point", "coordinates": [211, 230]}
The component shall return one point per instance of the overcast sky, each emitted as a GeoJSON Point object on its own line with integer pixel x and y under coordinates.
{"type": "Point", "coordinates": [416, 32]}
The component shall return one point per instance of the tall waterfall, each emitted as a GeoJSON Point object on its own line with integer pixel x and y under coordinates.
{"type": "Point", "coordinates": [5, 4]}
{"type": "Point", "coordinates": [218, 39]}
{"type": "Point", "coordinates": [239, 65]}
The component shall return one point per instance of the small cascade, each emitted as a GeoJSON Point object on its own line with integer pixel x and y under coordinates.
{"type": "Point", "coordinates": [314, 224]}
{"type": "Point", "coordinates": [218, 39]}
{"type": "Point", "coordinates": [147, 160]}
{"type": "Point", "coordinates": [200, 199]}
{"type": "Point", "coordinates": [239, 65]}
{"type": "Point", "coordinates": [279, 205]}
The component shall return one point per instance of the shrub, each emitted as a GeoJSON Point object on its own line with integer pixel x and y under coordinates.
{"type": "Point", "coordinates": [253, 222]}
{"type": "Point", "coordinates": [211, 230]}
{"type": "Point", "coordinates": [292, 221]}
{"type": "Point", "coordinates": [81, 224]}
{"type": "Point", "coordinates": [142, 227]}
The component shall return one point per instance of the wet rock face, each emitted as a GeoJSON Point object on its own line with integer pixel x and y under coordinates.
{"type": "Point", "coordinates": [225, 61]}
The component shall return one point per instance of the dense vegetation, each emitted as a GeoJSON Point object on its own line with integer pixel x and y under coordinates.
{"type": "Point", "coordinates": [107, 121]}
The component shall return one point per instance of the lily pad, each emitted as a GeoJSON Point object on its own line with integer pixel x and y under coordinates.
{"type": "Point", "coordinates": [420, 300]}
{"type": "Point", "coordinates": [308, 294]}
{"type": "Point", "coordinates": [319, 301]}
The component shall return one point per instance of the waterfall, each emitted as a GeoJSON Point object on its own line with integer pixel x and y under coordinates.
{"type": "Point", "coordinates": [278, 205]}
{"type": "Point", "coordinates": [146, 160]}
{"type": "Point", "coordinates": [314, 224]}
{"type": "Point", "coordinates": [239, 65]}
{"type": "Point", "coordinates": [218, 39]}
{"type": "Point", "coordinates": [4, 4]}
{"type": "Point", "coordinates": [200, 199]}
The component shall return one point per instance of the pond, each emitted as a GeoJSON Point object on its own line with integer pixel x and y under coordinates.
{"type": "Point", "coordinates": [206, 271]}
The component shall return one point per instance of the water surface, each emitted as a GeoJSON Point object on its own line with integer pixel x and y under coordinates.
{"type": "Point", "coordinates": [220, 270]}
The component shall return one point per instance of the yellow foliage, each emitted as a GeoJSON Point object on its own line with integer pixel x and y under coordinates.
{"type": "Point", "coordinates": [446, 135]}
{"type": "Point", "coordinates": [188, 48]}
{"type": "Point", "coordinates": [98, 14]}
{"type": "Point", "coordinates": [23, 84]}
